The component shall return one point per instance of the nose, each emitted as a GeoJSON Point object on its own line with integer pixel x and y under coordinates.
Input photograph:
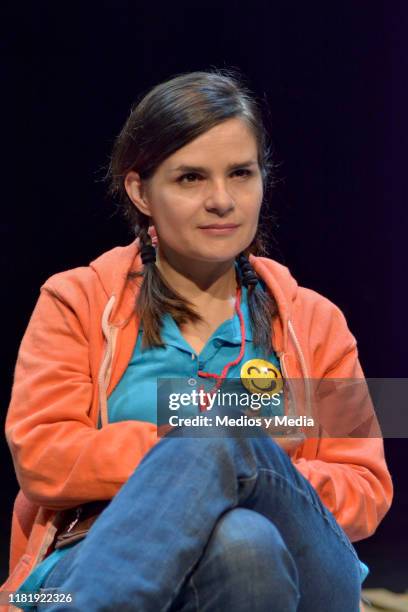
{"type": "Point", "coordinates": [219, 200]}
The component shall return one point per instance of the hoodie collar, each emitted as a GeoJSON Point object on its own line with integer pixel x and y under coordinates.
{"type": "Point", "coordinates": [283, 287]}
{"type": "Point", "coordinates": [113, 266]}
{"type": "Point", "coordinates": [112, 269]}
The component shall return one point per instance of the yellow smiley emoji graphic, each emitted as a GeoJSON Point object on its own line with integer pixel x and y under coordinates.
{"type": "Point", "coordinates": [261, 376]}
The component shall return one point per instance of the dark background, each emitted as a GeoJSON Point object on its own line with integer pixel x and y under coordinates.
{"type": "Point", "coordinates": [333, 76]}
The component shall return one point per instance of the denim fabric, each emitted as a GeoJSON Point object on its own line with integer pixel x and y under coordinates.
{"type": "Point", "coordinates": [210, 524]}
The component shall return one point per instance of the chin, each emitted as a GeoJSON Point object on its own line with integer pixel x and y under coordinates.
{"type": "Point", "coordinates": [218, 257]}
{"type": "Point", "coordinates": [213, 251]}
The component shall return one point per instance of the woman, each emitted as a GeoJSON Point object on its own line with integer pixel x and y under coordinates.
{"type": "Point", "coordinates": [214, 522]}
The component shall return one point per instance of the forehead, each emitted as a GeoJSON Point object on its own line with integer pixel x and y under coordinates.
{"type": "Point", "coordinates": [232, 138]}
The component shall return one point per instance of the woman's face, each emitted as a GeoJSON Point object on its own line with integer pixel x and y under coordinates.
{"type": "Point", "coordinates": [213, 180]}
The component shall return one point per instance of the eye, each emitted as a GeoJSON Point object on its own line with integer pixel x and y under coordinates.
{"type": "Point", "coordinates": [192, 177]}
{"type": "Point", "coordinates": [188, 177]}
{"type": "Point", "coordinates": [242, 172]}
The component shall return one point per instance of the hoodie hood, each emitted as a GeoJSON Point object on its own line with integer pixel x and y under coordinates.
{"type": "Point", "coordinates": [113, 267]}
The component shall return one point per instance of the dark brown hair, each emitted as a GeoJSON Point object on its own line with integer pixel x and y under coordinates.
{"type": "Point", "coordinates": [168, 117]}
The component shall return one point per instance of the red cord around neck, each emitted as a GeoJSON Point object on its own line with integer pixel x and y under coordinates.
{"type": "Point", "coordinates": [219, 377]}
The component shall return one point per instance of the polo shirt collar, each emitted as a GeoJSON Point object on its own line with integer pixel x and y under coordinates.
{"type": "Point", "coordinates": [229, 332]}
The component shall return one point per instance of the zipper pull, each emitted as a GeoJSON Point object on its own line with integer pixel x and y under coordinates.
{"type": "Point", "coordinates": [76, 519]}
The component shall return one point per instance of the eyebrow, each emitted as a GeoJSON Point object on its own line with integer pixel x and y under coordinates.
{"type": "Point", "coordinates": [184, 168]}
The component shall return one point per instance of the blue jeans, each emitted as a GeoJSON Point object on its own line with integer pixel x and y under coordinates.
{"type": "Point", "coordinates": [209, 524]}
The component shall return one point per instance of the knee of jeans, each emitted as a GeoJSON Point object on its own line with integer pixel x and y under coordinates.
{"type": "Point", "coordinates": [246, 541]}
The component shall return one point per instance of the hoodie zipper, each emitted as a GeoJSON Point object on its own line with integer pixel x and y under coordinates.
{"type": "Point", "coordinates": [304, 369]}
{"type": "Point", "coordinates": [108, 332]}
{"type": "Point", "coordinates": [281, 357]}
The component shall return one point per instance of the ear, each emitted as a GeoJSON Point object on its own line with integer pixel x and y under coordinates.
{"type": "Point", "coordinates": [134, 189]}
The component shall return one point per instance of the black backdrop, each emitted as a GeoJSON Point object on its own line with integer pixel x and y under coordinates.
{"type": "Point", "coordinates": [333, 76]}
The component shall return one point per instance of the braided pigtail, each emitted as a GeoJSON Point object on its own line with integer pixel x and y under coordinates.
{"type": "Point", "coordinates": [156, 297]}
{"type": "Point", "coordinates": [262, 305]}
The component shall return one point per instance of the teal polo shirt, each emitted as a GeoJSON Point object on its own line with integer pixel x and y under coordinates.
{"type": "Point", "coordinates": [135, 395]}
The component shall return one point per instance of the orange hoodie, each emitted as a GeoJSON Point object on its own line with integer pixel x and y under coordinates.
{"type": "Point", "coordinates": [77, 345]}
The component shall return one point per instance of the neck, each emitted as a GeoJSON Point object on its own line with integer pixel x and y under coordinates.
{"type": "Point", "coordinates": [204, 284]}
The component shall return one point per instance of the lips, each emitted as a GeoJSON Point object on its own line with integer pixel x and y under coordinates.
{"type": "Point", "coordinates": [219, 226]}
{"type": "Point", "coordinates": [218, 229]}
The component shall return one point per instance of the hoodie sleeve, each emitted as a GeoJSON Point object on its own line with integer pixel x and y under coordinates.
{"type": "Point", "coordinates": [60, 458]}
{"type": "Point", "coordinates": [350, 474]}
